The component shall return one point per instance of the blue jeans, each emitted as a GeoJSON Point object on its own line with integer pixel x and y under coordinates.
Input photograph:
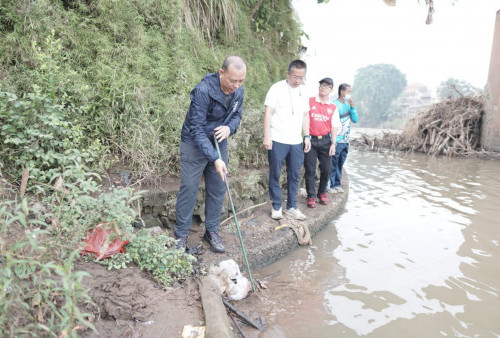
{"type": "Point", "coordinates": [294, 156]}
{"type": "Point", "coordinates": [338, 160]}
{"type": "Point", "coordinates": [193, 165]}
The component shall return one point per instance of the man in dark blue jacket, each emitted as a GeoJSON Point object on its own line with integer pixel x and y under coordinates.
{"type": "Point", "coordinates": [216, 105]}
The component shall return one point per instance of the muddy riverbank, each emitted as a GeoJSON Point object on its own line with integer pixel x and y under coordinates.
{"type": "Point", "coordinates": [132, 304]}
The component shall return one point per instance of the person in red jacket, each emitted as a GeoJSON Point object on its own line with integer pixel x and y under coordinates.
{"type": "Point", "coordinates": [324, 124]}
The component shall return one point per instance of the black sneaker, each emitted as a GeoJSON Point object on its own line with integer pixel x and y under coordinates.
{"type": "Point", "coordinates": [213, 238]}
{"type": "Point", "coordinates": [181, 243]}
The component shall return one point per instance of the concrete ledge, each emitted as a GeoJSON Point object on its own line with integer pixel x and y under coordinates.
{"type": "Point", "coordinates": [263, 244]}
{"type": "Point", "coordinates": [158, 207]}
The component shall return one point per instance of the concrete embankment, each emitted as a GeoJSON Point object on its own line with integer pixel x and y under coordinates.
{"type": "Point", "coordinates": [263, 242]}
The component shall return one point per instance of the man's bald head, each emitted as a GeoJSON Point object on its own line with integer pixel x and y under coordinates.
{"type": "Point", "coordinates": [234, 60]}
{"type": "Point", "coordinates": [232, 74]}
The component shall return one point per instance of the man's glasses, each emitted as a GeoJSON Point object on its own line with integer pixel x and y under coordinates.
{"type": "Point", "coordinates": [295, 77]}
{"type": "Point", "coordinates": [324, 85]}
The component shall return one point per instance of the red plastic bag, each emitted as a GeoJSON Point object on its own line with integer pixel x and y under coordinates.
{"type": "Point", "coordinates": [98, 241]}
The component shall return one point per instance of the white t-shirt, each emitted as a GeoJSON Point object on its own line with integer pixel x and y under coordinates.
{"type": "Point", "coordinates": [289, 106]}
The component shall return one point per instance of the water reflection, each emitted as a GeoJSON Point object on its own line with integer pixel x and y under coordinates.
{"type": "Point", "coordinates": [415, 255]}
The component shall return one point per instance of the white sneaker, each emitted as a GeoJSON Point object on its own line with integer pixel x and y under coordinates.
{"type": "Point", "coordinates": [295, 213]}
{"type": "Point", "coordinates": [331, 190]}
{"type": "Point", "coordinates": [339, 189]}
{"type": "Point", "coordinates": [276, 214]}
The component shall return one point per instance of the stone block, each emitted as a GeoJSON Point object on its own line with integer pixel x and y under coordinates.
{"type": "Point", "coordinates": [147, 221]}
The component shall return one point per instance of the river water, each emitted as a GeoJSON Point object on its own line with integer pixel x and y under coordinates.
{"type": "Point", "coordinates": [415, 254]}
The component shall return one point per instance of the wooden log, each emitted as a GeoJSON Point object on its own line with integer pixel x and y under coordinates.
{"type": "Point", "coordinates": [216, 321]}
{"type": "Point", "coordinates": [366, 139]}
{"type": "Point", "coordinates": [423, 144]}
{"type": "Point", "coordinates": [455, 141]}
{"type": "Point", "coordinates": [441, 146]}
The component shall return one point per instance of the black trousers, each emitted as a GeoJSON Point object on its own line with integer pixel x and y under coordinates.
{"type": "Point", "coordinates": [319, 150]}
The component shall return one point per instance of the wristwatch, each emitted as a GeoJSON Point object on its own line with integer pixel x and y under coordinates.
{"type": "Point", "coordinates": [307, 136]}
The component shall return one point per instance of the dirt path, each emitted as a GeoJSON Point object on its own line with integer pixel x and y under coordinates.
{"type": "Point", "coordinates": [132, 305]}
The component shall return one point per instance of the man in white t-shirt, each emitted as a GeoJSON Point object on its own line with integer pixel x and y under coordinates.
{"type": "Point", "coordinates": [286, 117]}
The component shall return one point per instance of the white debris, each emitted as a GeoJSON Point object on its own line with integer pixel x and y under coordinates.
{"type": "Point", "coordinates": [302, 192]}
{"type": "Point", "coordinates": [229, 280]}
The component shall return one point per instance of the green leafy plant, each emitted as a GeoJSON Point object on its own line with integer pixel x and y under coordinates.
{"type": "Point", "coordinates": [38, 296]}
{"type": "Point", "coordinates": [42, 129]}
{"type": "Point", "coordinates": [40, 293]}
{"type": "Point", "coordinates": [151, 254]}
{"type": "Point", "coordinates": [36, 134]}
{"type": "Point", "coordinates": [76, 203]}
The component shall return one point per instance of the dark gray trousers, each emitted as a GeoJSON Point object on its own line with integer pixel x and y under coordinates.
{"type": "Point", "coordinates": [193, 165]}
{"type": "Point", "coordinates": [319, 151]}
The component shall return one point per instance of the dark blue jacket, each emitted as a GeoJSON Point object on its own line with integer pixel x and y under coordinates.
{"type": "Point", "coordinates": [207, 111]}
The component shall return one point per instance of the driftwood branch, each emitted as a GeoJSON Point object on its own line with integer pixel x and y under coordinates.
{"type": "Point", "coordinates": [455, 89]}
{"type": "Point", "coordinates": [237, 326]}
{"type": "Point", "coordinates": [242, 211]}
{"type": "Point", "coordinates": [24, 182]}
{"type": "Point", "coordinates": [241, 315]}
{"type": "Point", "coordinates": [451, 128]}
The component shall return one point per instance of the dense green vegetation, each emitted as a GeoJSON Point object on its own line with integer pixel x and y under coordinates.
{"type": "Point", "coordinates": [375, 87]}
{"type": "Point", "coordinates": [40, 291]}
{"type": "Point", "coordinates": [87, 83]}
{"type": "Point", "coordinates": [126, 68]}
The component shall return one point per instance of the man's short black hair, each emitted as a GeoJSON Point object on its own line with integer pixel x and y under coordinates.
{"type": "Point", "coordinates": [297, 64]}
{"type": "Point", "coordinates": [343, 86]}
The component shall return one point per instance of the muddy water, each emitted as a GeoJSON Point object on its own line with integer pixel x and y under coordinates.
{"type": "Point", "coordinates": [415, 254]}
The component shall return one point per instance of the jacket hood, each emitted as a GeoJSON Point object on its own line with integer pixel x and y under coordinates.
{"type": "Point", "coordinates": [212, 80]}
